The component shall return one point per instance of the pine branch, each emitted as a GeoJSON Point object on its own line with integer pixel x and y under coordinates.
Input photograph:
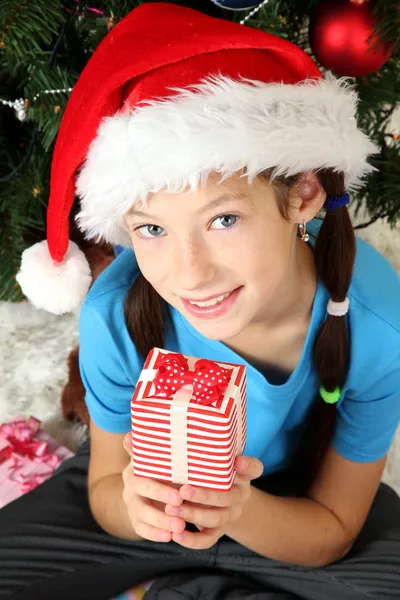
{"type": "Point", "coordinates": [10, 256]}
{"type": "Point", "coordinates": [387, 14]}
{"type": "Point", "coordinates": [22, 212]}
{"type": "Point", "coordinates": [47, 110]}
{"type": "Point", "coordinates": [381, 215]}
{"type": "Point", "coordinates": [14, 171]}
{"type": "Point", "coordinates": [25, 26]}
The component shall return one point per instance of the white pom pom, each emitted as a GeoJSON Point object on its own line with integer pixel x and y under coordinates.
{"type": "Point", "coordinates": [57, 288]}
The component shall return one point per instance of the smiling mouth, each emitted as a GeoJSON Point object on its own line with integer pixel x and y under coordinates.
{"type": "Point", "coordinates": [212, 302]}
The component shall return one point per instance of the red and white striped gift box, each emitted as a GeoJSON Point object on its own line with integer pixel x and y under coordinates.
{"type": "Point", "coordinates": [177, 438]}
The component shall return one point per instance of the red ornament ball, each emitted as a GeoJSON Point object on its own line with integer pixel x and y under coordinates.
{"type": "Point", "coordinates": [339, 34]}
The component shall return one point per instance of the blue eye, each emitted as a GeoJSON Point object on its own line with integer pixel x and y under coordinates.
{"type": "Point", "coordinates": [226, 221]}
{"type": "Point", "coordinates": [151, 230]}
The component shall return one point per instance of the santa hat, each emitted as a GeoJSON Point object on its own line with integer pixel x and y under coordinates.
{"type": "Point", "coordinates": [169, 96]}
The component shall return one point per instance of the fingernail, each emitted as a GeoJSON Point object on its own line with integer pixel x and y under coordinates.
{"type": "Point", "coordinates": [174, 498]}
{"type": "Point", "coordinates": [174, 511]}
{"type": "Point", "coordinates": [188, 493]}
{"type": "Point", "coordinates": [173, 525]}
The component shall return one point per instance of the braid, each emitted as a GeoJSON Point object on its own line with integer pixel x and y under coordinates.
{"type": "Point", "coordinates": [145, 316]}
{"type": "Point", "coordinates": [334, 256]}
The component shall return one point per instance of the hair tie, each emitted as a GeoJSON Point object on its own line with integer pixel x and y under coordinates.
{"type": "Point", "coordinates": [333, 202]}
{"type": "Point", "coordinates": [330, 397]}
{"type": "Point", "coordinates": [338, 309]}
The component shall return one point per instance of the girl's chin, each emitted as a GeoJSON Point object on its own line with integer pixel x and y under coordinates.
{"type": "Point", "coordinates": [218, 331]}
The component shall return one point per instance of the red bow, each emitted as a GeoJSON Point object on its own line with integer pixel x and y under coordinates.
{"type": "Point", "coordinates": [208, 379]}
{"type": "Point", "coordinates": [22, 444]}
{"type": "Point", "coordinates": [20, 437]}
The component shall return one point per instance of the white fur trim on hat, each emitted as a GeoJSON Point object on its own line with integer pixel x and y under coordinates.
{"type": "Point", "coordinates": [57, 288]}
{"type": "Point", "coordinates": [220, 125]}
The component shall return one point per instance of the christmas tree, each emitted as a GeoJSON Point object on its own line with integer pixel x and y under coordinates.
{"type": "Point", "coordinates": [45, 45]}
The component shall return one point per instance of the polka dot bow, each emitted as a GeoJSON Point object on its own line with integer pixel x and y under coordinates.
{"type": "Point", "coordinates": [209, 380]}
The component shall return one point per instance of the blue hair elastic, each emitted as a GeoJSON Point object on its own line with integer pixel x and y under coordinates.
{"type": "Point", "coordinates": [333, 202]}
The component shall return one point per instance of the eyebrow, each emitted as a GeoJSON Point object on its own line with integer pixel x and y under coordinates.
{"type": "Point", "coordinates": [210, 206]}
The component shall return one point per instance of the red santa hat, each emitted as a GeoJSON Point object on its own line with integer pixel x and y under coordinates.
{"type": "Point", "coordinates": [169, 96]}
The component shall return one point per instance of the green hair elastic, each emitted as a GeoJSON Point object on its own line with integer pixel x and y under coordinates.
{"type": "Point", "coordinates": [330, 397]}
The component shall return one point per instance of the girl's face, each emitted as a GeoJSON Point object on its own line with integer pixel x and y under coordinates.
{"type": "Point", "coordinates": [220, 255]}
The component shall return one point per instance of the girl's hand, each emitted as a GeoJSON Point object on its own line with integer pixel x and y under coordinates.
{"type": "Point", "coordinates": [213, 511]}
{"type": "Point", "coordinates": [145, 500]}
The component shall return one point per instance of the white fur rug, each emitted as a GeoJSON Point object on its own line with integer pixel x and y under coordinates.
{"type": "Point", "coordinates": [34, 346]}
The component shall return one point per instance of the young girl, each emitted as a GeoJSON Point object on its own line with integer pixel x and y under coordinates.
{"type": "Point", "coordinates": [205, 147]}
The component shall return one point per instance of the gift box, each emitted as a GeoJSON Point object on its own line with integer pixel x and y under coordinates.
{"type": "Point", "coordinates": [28, 456]}
{"type": "Point", "coordinates": [188, 420]}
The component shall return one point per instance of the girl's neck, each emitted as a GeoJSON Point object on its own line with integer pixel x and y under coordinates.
{"type": "Point", "coordinates": [279, 339]}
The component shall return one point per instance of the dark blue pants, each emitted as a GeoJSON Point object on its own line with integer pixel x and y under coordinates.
{"type": "Point", "coordinates": [51, 548]}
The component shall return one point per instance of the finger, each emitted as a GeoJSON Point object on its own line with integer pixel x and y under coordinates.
{"type": "Point", "coordinates": [127, 443]}
{"type": "Point", "coordinates": [148, 532]}
{"type": "Point", "coordinates": [150, 488]}
{"type": "Point", "coordinates": [209, 517]}
{"type": "Point", "coordinates": [156, 490]}
{"type": "Point", "coordinates": [151, 515]}
{"type": "Point", "coordinates": [249, 467]}
{"type": "Point", "coordinates": [198, 541]}
{"type": "Point", "coordinates": [211, 497]}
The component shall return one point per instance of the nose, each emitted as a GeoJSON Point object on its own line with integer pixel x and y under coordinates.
{"type": "Point", "coordinates": [193, 266]}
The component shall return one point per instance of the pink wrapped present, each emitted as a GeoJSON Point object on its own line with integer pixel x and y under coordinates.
{"type": "Point", "coordinates": [28, 457]}
{"type": "Point", "coordinates": [188, 420]}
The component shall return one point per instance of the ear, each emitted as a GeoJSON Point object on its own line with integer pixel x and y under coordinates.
{"type": "Point", "coordinates": [308, 197]}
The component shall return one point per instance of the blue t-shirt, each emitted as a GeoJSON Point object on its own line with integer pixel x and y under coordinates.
{"type": "Point", "coordinates": [369, 408]}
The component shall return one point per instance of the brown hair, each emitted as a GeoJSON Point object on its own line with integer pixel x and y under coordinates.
{"type": "Point", "coordinates": [334, 254]}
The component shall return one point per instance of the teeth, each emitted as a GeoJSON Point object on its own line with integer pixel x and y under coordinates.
{"type": "Point", "coordinates": [211, 302]}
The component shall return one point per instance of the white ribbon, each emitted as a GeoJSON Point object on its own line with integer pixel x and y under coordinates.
{"type": "Point", "coordinates": [178, 419]}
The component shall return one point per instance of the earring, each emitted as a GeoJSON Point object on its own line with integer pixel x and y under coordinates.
{"type": "Point", "coordinates": [303, 232]}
